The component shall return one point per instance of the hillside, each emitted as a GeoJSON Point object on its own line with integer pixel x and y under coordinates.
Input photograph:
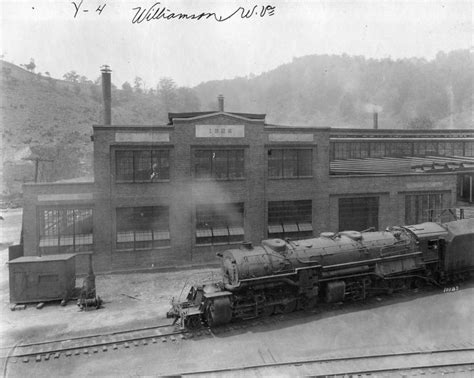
{"type": "Point", "coordinates": [52, 119]}
{"type": "Point", "coordinates": [342, 91]}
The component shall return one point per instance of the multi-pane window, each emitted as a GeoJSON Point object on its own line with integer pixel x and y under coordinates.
{"type": "Point", "coordinates": [219, 164]}
{"type": "Point", "coordinates": [358, 213]}
{"type": "Point", "coordinates": [422, 207]}
{"type": "Point", "coordinates": [286, 162]}
{"type": "Point", "coordinates": [220, 223]}
{"type": "Point", "coordinates": [290, 219]}
{"type": "Point", "coordinates": [142, 227]}
{"type": "Point", "coordinates": [65, 231]}
{"type": "Point", "coordinates": [142, 165]}
{"type": "Point", "coordinates": [360, 150]}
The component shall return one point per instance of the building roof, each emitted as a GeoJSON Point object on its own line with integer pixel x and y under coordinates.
{"type": "Point", "coordinates": [397, 165]}
{"type": "Point", "coordinates": [171, 116]}
{"type": "Point", "coordinates": [46, 258]}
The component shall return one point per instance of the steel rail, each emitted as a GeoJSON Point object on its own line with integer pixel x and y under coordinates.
{"type": "Point", "coordinates": [56, 347]}
{"type": "Point", "coordinates": [345, 359]}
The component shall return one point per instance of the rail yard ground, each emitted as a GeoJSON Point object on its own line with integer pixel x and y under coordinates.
{"type": "Point", "coordinates": [408, 321]}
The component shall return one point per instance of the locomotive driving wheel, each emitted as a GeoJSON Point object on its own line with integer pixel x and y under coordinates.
{"type": "Point", "coordinates": [218, 311]}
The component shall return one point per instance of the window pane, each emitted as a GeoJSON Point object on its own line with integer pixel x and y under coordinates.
{"type": "Point", "coordinates": [142, 162]}
{"type": "Point", "coordinates": [304, 163]}
{"type": "Point", "coordinates": [160, 165]}
{"type": "Point", "coordinates": [359, 213]}
{"type": "Point", "coordinates": [219, 164]}
{"type": "Point", "coordinates": [236, 163]}
{"type": "Point", "coordinates": [284, 217]}
{"type": "Point", "coordinates": [202, 161]}
{"type": "Point", "coordinates": [421, 208]}
{"type": "Point", "coordinates": [124, 165]}
{"type": "Point", "coordinates": [219, 223]}
{"type": "Point", "coordinates": [67, 230]}
{"type": "Point", "coordinates": [142, 227]}
{"type": "Point", "coordinates": [275, 163]}
{"type": "Point", "coordinates": [290, 163]}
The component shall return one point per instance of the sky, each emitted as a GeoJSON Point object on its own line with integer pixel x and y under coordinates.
{"type": "Point", "coordinates": [62, 35]}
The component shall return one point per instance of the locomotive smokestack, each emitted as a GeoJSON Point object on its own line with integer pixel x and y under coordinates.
{"type": "Point", "coordinates": [376, 120]}
{"type": "Point", "coordinates": [107, 94]}
{"type": "Point", "coordinates": [220, 100]}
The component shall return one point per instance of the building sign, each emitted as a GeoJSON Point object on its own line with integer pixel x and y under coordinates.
{"type": "Point", "coordinates": [220, 131]}
{"type": "Point", "coordinates": [424, 185]}
{"type": "Point", "coordinates": [142, 137]}
{"type": "Point", "coordinates": [291, 137]}
{"type": "Point", "coordinates": [65, 197]}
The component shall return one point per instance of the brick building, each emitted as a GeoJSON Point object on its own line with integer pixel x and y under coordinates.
{"type": "Point", "coordinates": [175, 194]}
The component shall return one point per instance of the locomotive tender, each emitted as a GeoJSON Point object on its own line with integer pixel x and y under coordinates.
{"type": "Point", "coordinates": [281, 276]}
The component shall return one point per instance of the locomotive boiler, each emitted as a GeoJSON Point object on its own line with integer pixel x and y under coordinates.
{"type": "Point", "coordinates": [281, 276]}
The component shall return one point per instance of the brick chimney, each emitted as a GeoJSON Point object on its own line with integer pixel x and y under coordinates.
{"type": "Point", "coordinates": [376, 120]}
{"type": "Point", "coordinates": [220, 100]}
{"type": "Point", "coordinates": [107, 94]}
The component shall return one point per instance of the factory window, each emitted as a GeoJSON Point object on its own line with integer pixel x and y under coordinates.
{"type": "Point", "coordinates": [142, 227]}
{"type": "Point", "coordinates": [422, 207]}
{"type": "Point", "coordinates": [358, 213]}
{"type": "Point", "coordinates": [290, 219]}
{"type": "Point", "coordinates": [220, 223]}
{"type": "Point", "coordinates": [65, 231]}
{"type": "Point", "coordinates": [360, 150]}
{"type": "Point", "coordinates": [142, 165]}
{"type": "Point", "coordinates": [469, 149]}
{"type": "Point", "coordinates": [219, 164]}
{"type": "Point", "coordinates": [285, 163]}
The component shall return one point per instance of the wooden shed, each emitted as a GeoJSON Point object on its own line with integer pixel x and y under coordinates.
{"type": "Point", "coordinates": [42, 278]}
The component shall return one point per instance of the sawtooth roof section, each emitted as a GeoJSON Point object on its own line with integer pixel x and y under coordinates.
{"type": "Point", "coordinates": [392, 165]}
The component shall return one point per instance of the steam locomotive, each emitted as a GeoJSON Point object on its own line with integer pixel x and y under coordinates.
{"type": "Point", "coordinates": [281, 276]}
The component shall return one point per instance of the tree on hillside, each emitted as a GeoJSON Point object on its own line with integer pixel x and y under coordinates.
{"type": "Point", "coordinates": [71, 76]}
{"type": "Point", "coordinates": [127, 87]}
{"type": "Point", "coordinates": [138, 84]}
{"type": "Point", "coordinates": [84, 80]}
{"type": "Point", "coordinates": [30, 66]}
{"type": "Point", "coordinates": [187, 100]}
{"type": "Point", "coordinates": [166, 90]}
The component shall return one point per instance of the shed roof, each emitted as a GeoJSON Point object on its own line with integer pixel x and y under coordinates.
{"type": "Point", "coordinates": [35, 259]}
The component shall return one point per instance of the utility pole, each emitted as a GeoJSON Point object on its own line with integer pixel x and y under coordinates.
{"type": "Point", "coordinates": [37, 160]}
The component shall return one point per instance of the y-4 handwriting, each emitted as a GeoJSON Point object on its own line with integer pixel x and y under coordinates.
{"type": "Point", "coordinates": [160, 12]}
{"type": "Point", "coordinates": [451, 289]}
{"type": "Point", "coordinates": [79, 8]}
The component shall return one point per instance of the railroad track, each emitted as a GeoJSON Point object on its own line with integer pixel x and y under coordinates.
{"type": "Point", "coordinates": [458, 361]}
{"type": "Point", "coordinates": [99, 342]}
